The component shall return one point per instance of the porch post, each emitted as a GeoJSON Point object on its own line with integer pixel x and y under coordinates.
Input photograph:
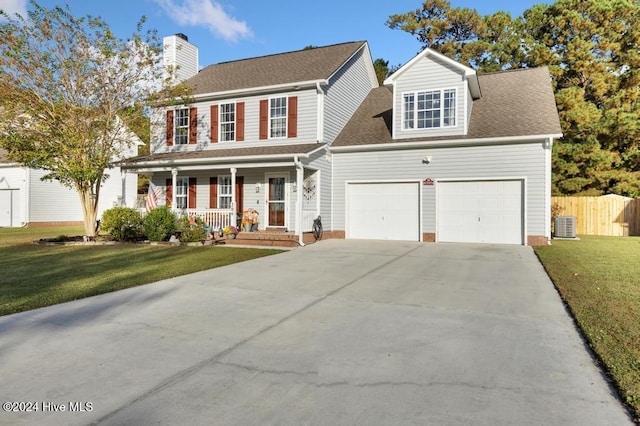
{"type": "Point", "coordinates": [233, 196]}
{"type": "Point", "coordinates": [174, 183]}
{"type": "Point", "coordinates": [299, 181]}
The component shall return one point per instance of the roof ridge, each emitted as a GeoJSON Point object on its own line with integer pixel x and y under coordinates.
{"type": "Point", "coordinates": [286, 53]}
{"type": "Point", "coordinates": [510, 70]}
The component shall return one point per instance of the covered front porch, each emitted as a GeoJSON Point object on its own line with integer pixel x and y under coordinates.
{"type": "Point", "coordinates": [279, 196]}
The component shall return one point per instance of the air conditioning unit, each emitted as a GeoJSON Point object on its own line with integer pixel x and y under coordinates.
{"type": "Point", "coordinates": [565, 227]}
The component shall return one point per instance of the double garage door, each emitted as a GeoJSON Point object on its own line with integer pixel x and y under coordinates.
{"type": "Point", "coordinates": [466, 211]}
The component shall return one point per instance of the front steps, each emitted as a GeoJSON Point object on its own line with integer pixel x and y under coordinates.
{"type": "Point", "coordinates": [269, 239]}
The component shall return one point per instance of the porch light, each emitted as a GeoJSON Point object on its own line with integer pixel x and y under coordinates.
{"type": "Point", "coordinates": [294, 187]}
{"type": "Point", "coordinates": [427, 159]}
{"type": "Point", "coordinates": [258, 186]}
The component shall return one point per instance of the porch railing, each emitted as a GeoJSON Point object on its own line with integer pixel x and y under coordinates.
{"type": "Point", "coordinates": [215, 218]}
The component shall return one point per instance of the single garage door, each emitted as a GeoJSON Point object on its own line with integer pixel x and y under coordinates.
{"type": "Point", "coordinates": [383, 211]}
{"type": "Point", "coordinates": [481, 211]}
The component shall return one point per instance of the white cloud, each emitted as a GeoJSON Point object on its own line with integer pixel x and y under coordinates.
{"type": "Point", "coordinates": [11, 7]}
{"type": "Point", "coordinates": [205, 13]}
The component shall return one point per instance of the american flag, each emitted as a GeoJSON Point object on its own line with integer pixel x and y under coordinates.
{"type": "Point", "coordinates": [152, 197]}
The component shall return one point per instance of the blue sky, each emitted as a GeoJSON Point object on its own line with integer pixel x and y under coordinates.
{"type": "Point", "coordinates": [225, 30]}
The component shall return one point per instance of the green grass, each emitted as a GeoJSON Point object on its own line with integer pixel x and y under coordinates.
{"type": "Point", "coordinates": [599, 279]}
{"type": "Point", "coordinates": [33, 275]}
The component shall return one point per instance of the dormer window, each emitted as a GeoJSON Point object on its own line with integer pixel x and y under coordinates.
{"type": "Point", "coordinates": [429, 109]}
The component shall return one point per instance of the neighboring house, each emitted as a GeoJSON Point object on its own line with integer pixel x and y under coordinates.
{"type": "Point", "coordinates": [438, 154]}
{"type": "Point", "coordinates": [26, 200]}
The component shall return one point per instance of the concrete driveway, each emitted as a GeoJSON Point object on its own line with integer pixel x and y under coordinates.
{"type": "Point", "coordinates": [340, 332]}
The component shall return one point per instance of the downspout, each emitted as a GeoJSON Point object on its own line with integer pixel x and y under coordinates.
{"type": "Point", "coordinates": [299, 179]}
{"type": "Point", "coordinates": [548, 146]}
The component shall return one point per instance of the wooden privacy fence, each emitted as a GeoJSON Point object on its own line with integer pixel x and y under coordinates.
{"type": "Point", "coordinates": [614, 216]}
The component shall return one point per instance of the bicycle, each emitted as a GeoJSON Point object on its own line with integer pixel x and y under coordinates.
{"type": "Point", "coordinates": [317, 228]}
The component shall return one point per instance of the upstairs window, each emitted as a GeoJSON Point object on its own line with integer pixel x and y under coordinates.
{"type": "Point", "coordinates": [227, 122]}
{"type": "Point", "coordinates": [278, 117]}
{"type": "Point", "coordinates": [181, 126]}
{"type": "Point", "coordinates": [429, 109]}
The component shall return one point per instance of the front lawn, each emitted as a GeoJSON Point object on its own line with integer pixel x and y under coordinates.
{"type": "Point", "coordinates": [33, 275]}
{"type": "Point", "coordinates": [599, 279]}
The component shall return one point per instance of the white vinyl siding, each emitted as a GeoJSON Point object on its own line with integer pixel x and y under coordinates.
{"type": "Point", "coordinates": [344, 94]}
{"type": "Point", "coordinates": [438, 81]}
{"type": "Point", "coordinates": [478, 162]}
{"type": "Point", "coordinates": [307, 123]}
{"type": "Point", "coordinates": [49, 201]}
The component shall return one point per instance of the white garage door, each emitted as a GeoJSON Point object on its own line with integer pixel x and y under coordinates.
{"type": "Point", "coordinates": [383, 211]}
{"type": "Point", "coordinates": [481, 211]}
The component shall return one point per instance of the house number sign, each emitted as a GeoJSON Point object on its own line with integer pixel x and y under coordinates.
{"type": "Point", "coordinates": [427, 181]}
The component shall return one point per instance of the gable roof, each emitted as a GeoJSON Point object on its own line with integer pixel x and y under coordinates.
{"type": "Point", "coordinates": [469, 73]}
{"type": "Point", "coordinates": [514, 103]}
{"type": "Point", "coordinates": [299, 66]}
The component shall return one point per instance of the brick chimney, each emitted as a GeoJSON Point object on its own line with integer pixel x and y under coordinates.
{"type": "Point", "coordinates": [181, 55]}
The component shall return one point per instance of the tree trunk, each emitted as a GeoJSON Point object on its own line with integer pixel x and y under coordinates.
{"type": "Point", "coordinates": [89, 211]}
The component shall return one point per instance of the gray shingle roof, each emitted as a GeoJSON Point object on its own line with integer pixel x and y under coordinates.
{"type": "Point", "coordinates": [284, 68]}
{"type": "Point", "coordinates": [222, 153]}
{"type": "Point", "coordinates": [514, 103]}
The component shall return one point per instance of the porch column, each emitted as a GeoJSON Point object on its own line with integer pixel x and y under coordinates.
{"type": "Point", "coordinates": [174, 183]}
{"type": "Point", "coordinates": [299, 182]}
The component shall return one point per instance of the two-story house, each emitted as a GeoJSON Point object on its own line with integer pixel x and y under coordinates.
{"type": "Point", "coordinates": [437, 154]}
{"type": "Point", "coordinates": [257, 134]}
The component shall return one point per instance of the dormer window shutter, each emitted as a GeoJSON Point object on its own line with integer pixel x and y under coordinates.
{"type": "Point", "coordinates": [264, 119]}
{"type": "Point", "coordinates": [292, 119]}
{"type": "Point", "coordinates": [214, 123]}
{"type": "Point", "coordinates": [169, 127]}
{"type": "Point", "coordinates": [193, 126]}
{"type": "Point", "coordinates": [240, 122]}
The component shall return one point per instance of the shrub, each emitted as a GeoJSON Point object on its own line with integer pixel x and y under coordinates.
{"type": "Point", "coordinates": [191, 229]}
{"type": "Point", "coordinates": [159, 223]}
{"type": "Point", "coordinates": [122, 223]}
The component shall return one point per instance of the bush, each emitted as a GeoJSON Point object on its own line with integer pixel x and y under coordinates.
{"type": "Point", "coordinates": [122, 223]}
{"type": "Point", "coordinates": [191, 229]}
{"type": "Point", "coordinates": [159, 223]}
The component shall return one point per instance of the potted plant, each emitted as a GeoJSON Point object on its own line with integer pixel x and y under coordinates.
{"type": "Point", "coordinates": [230, 232]}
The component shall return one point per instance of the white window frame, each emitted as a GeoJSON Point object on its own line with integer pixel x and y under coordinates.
{"type": "Point", "coordinates": [225, 190]}
{"type": "Point", "coordinates": [182, 192]}
{"type": "Point", "coordinates": [280, 120]}
{"type": "Point", "coordinates": [411, 117]}
{"type": "Point", "coordinates": [227, 122]}
{"type": "Point", "coordinates": [181, 126]}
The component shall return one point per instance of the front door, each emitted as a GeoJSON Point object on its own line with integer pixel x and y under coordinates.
{"type": "Point", "coordinates": [276, 202]}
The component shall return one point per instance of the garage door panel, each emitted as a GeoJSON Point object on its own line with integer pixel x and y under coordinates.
{"type": "Point", "coordinates": [480, 211]}
{"type": "Point", "coordinates": [386, 211]}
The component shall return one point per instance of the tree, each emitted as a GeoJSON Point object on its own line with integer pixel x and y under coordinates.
{"type": "Point", "coordinates": [591, 48]}
{"type": "Point", "coordinates": [382, 69]}
{"type": "Point", "coordinates": [69, 90]}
